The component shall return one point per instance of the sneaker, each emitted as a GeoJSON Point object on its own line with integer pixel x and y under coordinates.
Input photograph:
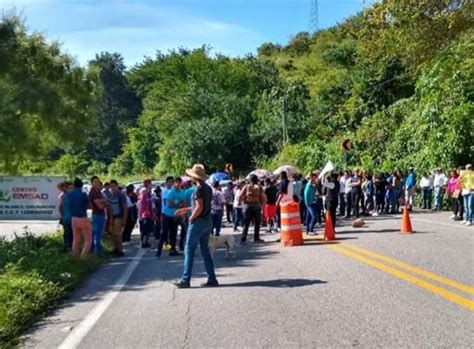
{"type": "Point", "coordinates": [210, 283]}
{"type": "Point", "coordinates": [468, 223]}
{"type": "Point", "coordinates": [375, 214]}
{"type": "Point", "coordinates": [452, 216]}
{"type": "Point", "coordinates": [259, 241]}
{"type": "Point", "coordinates": [175, 254]}
{"type": "Point", "coordinates": [463, 222]}
{"type": "Point", "coordinates": [182, 284]}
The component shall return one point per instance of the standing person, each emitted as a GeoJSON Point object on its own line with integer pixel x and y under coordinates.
{"type": "Point", "coordinates": [164, 223]}
{"type": "Point", "coordinates": [175, 198]}
{"type": "Point", "coordinates": [467, 181]}
{"type": "Point", "coordinates": [342, 192]}
{"type": "Point", "coordinates": [270, 209]}
{"type": "Point", "coordinates": [253, 198]}
{"type": "Point", "coordinates": [65, 214]}
{"type": "Point", "coordinates": [356, 190]}
{"type": "Point", "coordinates": [426, 184]}
{"type": "Point", "coordinates": [348, 194]}
{"type": "Point", "coordinates": [238, 220]}
{"type": "Point", "coordinates": [458, 204]}
{"type": "Point", "coordinates": [440, 181]}
{"type": "Point", "coordinates": [284, 194]}
{"type": "Point", "coordinates": [310, 200]}
{"type": "Point", "coordinates": [145, 213]}
{"type": "Point", "coordinates": [217, 209]}
{"type": "Point", "coordinates": [118, 212]}
{"type": "Point", "coordinates": [331, 191]}
{"type": "Point", "coordinates": [410, 188]}
{"type": "Point", "coordinates": [369, 190]}
{"type": "Point", "coordinates": [396, 191]}
{"type": "Point", "coordinates": [99, 205]}
{"type": "Point", "coordinates": [132, 214]}
{"type": "Point", "coordinates": [78, 202]}
{"type": "Point", "coordinates": [156, 202]}
{"type": "Point", "coordinates": [200, 225]}
{"type": "Point", "coordinates": [379, 183]}
{"type": "Point", "coordinates": [229, 200]}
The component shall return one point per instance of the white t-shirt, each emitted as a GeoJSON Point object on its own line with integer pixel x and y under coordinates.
{"type": "Point", "coordinates": [347, 187]}
{"type": "Point", "coordinates": [217, 201]}
{"type": "Point", "coordinates": [440, 180]}
{"type": "Point", "coordinates": [237, 202]}
{"type": "Point", "coordinates": [425, 182]}
{"type": "Point", "coordinates": [342, 183]}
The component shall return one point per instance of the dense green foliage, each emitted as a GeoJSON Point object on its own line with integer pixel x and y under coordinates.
{"type": "Point", "coordinates": [34, 276]}
{"type": "Point", "coordinates": [396, 79]}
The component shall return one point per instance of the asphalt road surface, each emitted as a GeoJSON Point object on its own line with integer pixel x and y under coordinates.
{"type": "Point", "coordinates": [372, 288]}
{"type": "Point", "coordinates": [10, 229]}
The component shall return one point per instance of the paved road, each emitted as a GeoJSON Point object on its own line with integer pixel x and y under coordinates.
{"type": "Point", "coordinates": [8, 229]}
{"type": "Point", "coordinates": [373, 288]}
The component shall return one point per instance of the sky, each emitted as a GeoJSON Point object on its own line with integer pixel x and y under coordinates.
{"type": "Point", "coordinates": [138, 28]}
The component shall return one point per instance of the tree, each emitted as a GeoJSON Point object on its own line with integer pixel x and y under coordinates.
{"type": "Point", "coordinates": [117, 107]}
{"type": "Point", "coordinates": [45, 97]}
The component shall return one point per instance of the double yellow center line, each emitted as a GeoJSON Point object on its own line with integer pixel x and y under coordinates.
{"type": "Point", "coordinates": [388, 265]}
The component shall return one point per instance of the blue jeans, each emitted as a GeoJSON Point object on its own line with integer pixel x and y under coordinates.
{"type": "Point", "coordinates": [238, 217]}
{"type": "Point", "coordinates": [438, 192]}
{"type": "Point", "coordinates": [198, 233]}
{"type": "Point", "coordinates": [314, 211]}
{"type": "Point", "coordinates": [468, 206]}
{"type": "Point", "coordinates": [217, 222]}
{"type": "Point", "coordinates": [98, 223]}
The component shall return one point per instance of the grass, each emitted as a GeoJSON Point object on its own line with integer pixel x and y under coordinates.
{"type": "Point", "coordinates": [35, 275]}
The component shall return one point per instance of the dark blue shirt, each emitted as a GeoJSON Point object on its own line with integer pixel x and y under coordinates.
{"type": "Point", "coordinates": [78, 201]}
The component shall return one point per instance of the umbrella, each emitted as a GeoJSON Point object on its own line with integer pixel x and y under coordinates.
{"type": "Point", "coordinates": [219, 176]}
{"type": "Point", "coordinates": [186, 179]}
{"type": "Point", "coordinates": [260, 174]}
{"type": "Point", "coordinates": [290, 170]}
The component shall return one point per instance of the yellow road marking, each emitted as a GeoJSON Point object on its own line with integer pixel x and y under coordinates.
{"type": "Point", "coordinates": [467, 303]}
{"type": "Point", "coordinates": [413, 269]}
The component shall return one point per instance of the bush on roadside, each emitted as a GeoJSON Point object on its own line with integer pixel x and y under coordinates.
{"type": "Point", "coordinates": [35, 274]}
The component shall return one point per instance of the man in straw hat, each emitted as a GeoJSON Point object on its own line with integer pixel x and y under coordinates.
{"type": "Point", "coordinates": [200, 226]}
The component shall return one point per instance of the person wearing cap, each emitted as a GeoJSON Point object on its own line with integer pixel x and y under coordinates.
{"type": "Point", "coordinates": [200, 226]}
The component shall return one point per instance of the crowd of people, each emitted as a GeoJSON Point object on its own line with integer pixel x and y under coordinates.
{"type": "Point", "coordinates": [257, 200]}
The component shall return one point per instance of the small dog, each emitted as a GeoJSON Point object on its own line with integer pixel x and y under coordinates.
{"type": "Point", "coordinates": [220, 241]}
{"type": "Point", "coordinates": [358, 223]}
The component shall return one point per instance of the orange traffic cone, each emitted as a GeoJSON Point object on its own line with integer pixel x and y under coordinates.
{"type": "Point", "coordinates": [406, 223]}
{"type": "Point", "coordinates": [329, 233]}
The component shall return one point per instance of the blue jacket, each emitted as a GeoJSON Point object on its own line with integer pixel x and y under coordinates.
{"type": "Point", "coordinates": [411, 180]}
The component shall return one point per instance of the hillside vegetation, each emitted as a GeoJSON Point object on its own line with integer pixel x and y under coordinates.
{"type": "Point", "coordinates": [397, 79]}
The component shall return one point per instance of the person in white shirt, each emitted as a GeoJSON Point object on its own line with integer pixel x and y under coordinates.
{"type": "Point", "coordinates": [426, 184]}
{"type": "Point", "coordinates": [440, 181]}
{"type": "Point", "coordinates": [238, 220]}
{"type": "Point", "coordinates": [342, 193]}
{"type": "Point", "coordinates": [348, 194]}
{"type": "Point", "coordinates": [217, 208]}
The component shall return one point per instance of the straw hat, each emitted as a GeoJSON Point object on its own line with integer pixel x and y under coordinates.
{"type": "Point", "coordinates": [197, 172]}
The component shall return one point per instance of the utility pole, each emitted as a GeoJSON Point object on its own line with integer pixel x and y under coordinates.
{"type": "Point", "coordinates": [283, 121]}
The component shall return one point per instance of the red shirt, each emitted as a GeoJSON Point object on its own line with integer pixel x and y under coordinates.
{"type": "Point", "coordinates": [95, 194]}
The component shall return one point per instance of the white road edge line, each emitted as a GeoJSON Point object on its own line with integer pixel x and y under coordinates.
{"type": "Point", "coordinates": [77, 335]}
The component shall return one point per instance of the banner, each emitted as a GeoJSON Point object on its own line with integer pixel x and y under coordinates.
{"type": "Point", "coordinates": [29, 198]}
{"type": "Point", "coordinates": [328, 168]}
